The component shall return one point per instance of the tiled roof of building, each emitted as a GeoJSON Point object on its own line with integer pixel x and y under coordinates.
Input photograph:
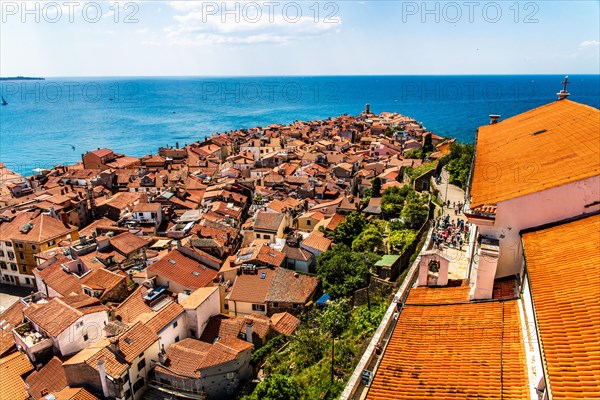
{"type": "Point", "coordinates": [134, 305]}
{"type": "Point", "coordinates": [563, 263]}
{"type": "Point", "coordinates": [165, 316]}
{"type": "Point", "coordinates": [43, 228]}
{"type": "Point", "coordinates": [103, 279]}
{"type": "Point", "coordinates": [267, 221]}
{"type": "Point", "coordinates": [70, 393]}
{"type": "Point", "coordinates": [127, 242]}
{"type": "Point", "coordinates": [146, 207]}
{"type": "Point", "coordinates": [134, 341]}
{"type": "Point", "coordinates": [252, 288]}
{"type": "Point", "coordinates": [291, 287]}
{"type": "Point", "coordinates": [189, 356]}
{"type": "Point", "coordinates": [221, 326]}
{"type": "Point", "coordinates": [58, 279]}
{"type": "Point", "coordinates": [454, 351]}
{"type": "Point", "coordinates": [12, 368]}
{"type": "Point", "coordinates": [539, 149]}
{"type": "Point", "coordinates": [50, 378]}
{"type": "Point", "coordinates": [296, 253]}
{"type": "Point", "coordinates": [317, 240]}
{"type": "Point", "coordinates": [285, 323]}
{"type": "Point", "coordinates": [184, 270]}
{"type": "Point", "coordinates": [102, 152]}
{"type": "Point", "coordinates": [9, 319]}
{"type": "Point", "coordinates": [59, 313]}
{"type": "Point", "coordinates": [455, 292]}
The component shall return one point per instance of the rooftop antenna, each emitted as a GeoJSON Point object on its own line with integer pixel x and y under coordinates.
{"type": "Point", "coordinates": [563, 94]}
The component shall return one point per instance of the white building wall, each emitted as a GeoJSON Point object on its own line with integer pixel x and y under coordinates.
{"type": "Point", "coordinates": [71, 340]}
{"type": "Point", "coordinates": [177, 330]}
{"type": "Point", "coordinates": [537, 209]}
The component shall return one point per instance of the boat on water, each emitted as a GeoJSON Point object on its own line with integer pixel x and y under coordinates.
{"type": "Point", "coordinates": [4, 102]}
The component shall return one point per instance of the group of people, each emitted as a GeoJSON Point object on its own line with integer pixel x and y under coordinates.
{"type": "Point", "coordinates": [457, 207]}
{"type": "Point", "coordinates": [449, 232]}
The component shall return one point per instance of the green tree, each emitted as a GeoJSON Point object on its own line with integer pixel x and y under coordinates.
{"type": "Point", "coordinates": [349, 228]}
{"type": "Point", "coordinates": [343, 271]}
{"type": "Point", "coordinates": [459, 164]}
{"type": "Point", "coordinates": [376, 184]}
{"type": "Point", "coordinates": [335, 317]}
{"type": "Point", "coordinates": [392, 201]}
{"type": "Point", "coordinates": [415, 211]}
{"type": "Point", "coordinates": [428, 144]}
{"type": "Point", "coordinates": [276, 387]}
{"type": "Point", "coordinates": [401, 239]}
{"type": "Point", "coordinates": [368, 240]}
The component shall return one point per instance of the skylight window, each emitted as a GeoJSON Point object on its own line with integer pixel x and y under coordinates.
{"type": "Point", "coordinates": [263, 275]}
{"type": "Point", "coordinates": [128, 340]}
{"type": "Point", "coordinates": [172, 261]}
{"type": "Point", "coordinates": [196, 273]}
{"type": "Point", "coordinates": [538, 132]}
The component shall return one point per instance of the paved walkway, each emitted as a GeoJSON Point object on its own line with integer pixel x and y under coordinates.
{"type": "Point", "coordinates": [10, 294]}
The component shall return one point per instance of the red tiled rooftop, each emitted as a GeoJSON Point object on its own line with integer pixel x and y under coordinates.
{"type": "Point", "coordinates": [563, 263]}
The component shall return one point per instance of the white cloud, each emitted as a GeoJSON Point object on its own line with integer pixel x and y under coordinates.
{"type": "Point", "coordinates": [244, 22]}
{"type": "Point", "coordinates": [587, 44]}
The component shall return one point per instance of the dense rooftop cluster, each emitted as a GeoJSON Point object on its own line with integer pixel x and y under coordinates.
{"type": "Point", "coordinates": [163, 273]}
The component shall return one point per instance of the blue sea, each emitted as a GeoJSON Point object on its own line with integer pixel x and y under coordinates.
{"type": "Point", "coordinates": [54, 121]}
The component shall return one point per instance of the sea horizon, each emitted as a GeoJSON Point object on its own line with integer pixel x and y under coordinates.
{"type": "Point", "coordinates": [136, 115]}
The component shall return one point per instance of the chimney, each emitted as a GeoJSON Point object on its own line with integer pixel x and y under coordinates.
{"type": "Point", "coordinates": [249, 331]}
{"type": "Point", "coordinates": [114, 346]}
{"type": "Point", "coordinates": [102, 371]}
{"type": "Point", "coordinates": [494, 118]}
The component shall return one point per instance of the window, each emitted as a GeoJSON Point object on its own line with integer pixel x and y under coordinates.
{"type": "Point", "coordinates": [79, 324]}
{"type": "Point", "coordinates": [192, 333]}
{"type": "Point", "coordinates": [3, 265]}
{"type": "Point", "coordinates": [267, 237]}
{"type": "Point", "coordinates": [11, 255]}
{"type": "Point", "coordinates": [27, 282]}
{"type": "Point", "coordinates": [8, 244]}
{"type": "Point", "coordinates": [138, 385]}
{"type": "Point", "coordinates": [308, 222]}
{"type": "Point", "coordinates": [141, 364]}
{"type": "Point", "coordinates": [226, 306]}
{"type": "Point", "coordinates": [19, 245]}
{"type": "Point", "coordinates": [175, 324]}
{"type": "Point", "coordinates": [276, 305]}
{"type": "Point", "coordinates": [52, 243]}
{"type": "Point", "coordinates": [33, 247]}
{"type": "Point", "coordinates": [176, 339]}
{"type": "Point", "coordinates": [258, 307]}
{"type": "Point", "coordinates": [21, 256]}
{"type": "Point", "coordinates": [24, 269]}
{"type": "Point", "coordinates": [85, 337]}
{"type": "Point", "coordinates": [1, 253]}
{"type": "Point", "coordinates": [13, 267]}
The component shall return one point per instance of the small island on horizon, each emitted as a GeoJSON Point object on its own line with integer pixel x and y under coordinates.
{"type": "Point", "coordinates": [21, 78]}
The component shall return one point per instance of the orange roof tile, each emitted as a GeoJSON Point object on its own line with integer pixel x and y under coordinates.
{"type": "Point", "coordinates": [47, 380]}
{"type": "Point", "coordinates": [564, 269]}
{"type": "Point", "coordinates": [542, 148]}
{"type": "Point", "coordinates": [454, 351]}
{"type": "Point", "coordinates": [70, 393]}
{"type": "Point", "coordinates": [455, 292]}
{"type": "Point", "coordinates": [12, 368]}
{"type": "Point", "coordinates": [317, 240]}
{"type": "Point", "coordinates": [186, 271]}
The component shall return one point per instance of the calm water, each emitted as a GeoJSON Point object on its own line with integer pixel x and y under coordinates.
{"type": "Point", "coordinates": [44, 120]}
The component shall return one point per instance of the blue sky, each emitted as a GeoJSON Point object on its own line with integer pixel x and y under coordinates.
{"type": "Point", "coordinates": [196, 38]}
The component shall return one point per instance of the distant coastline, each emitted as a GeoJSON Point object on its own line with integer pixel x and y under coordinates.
{"type": "Point", "coordinates": [21, 78]}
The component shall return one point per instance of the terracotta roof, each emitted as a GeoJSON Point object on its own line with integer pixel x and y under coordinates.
{"type": "Point", "coordinates": [317, 240]}
{"type": "Point", "coordinates": [58, 279]}
{"type": "Point", "coordinates": [146, 207]}
{"type": "Point", "coordinates": [11, 317]}
{"type": "Point", "coordinates": [296, 253]}
{"type": "Point", "coordinates": [102, 152]}
{"type": "Point", "coordinates": [135, 340]}
{"type": "Point", "coordinates": [539, 149]}
{"type": "Point", "coordinates": [127, 242]}
{"type": "Point", "coordinates": [252, 288]}
{"type": "Point", "coordinates": [291, 287]}
{"type": "Point", "coordinates": [165, 316]}
{"type": "Point", "coordinates": [101, 278]}
{"type": "Point", "coordinates": [285, 323]}
{"type": "Point", "coordinates": [70, 393]}
{"type": "Point", "coordinates": [563, 263]}
{"type": "Point", "coordinates": [12, 368]}
{"type": "Point", "coordinates": [454, 351]}
{"type": "Point", "coordinates": [270, 256]}
{"type": "Point", "coordinates": [455, 292]}
{"type": "Point", "coordinates": [43, 228]}
{"type": "Point", "coordinates": [56, 315]}
{"type": "Point", "coordinates": [184, 270]}
{"type": "Point", "coordinates": [49, 379]}
{"type": "Point", "coordinates": [267, 221]}
{"type": "Point", "coordinates": [221, 326]}
{"type": "Point", "coordinates": [189, 356]}
{"type": "Point", "coordinates": [134, 305]}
